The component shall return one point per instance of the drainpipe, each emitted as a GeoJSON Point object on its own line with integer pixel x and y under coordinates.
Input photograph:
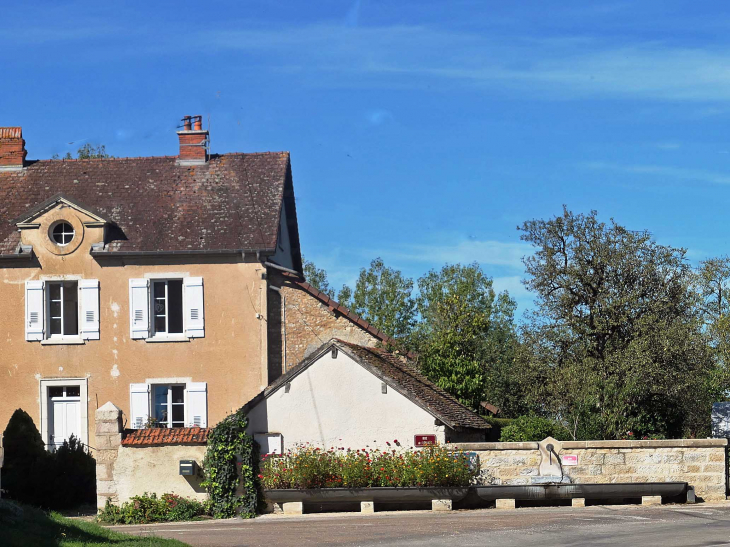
{"type": "Point", "coordinates": [282, 268]}
{"type": "Point", "coordinates": [283, 320]}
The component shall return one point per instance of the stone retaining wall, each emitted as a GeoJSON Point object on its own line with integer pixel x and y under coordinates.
{"type": "Point", "coordinates": [699, 462]}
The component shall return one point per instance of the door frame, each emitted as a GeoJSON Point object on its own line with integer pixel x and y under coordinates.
{"type": "Point", "coordinates": [43, 385]}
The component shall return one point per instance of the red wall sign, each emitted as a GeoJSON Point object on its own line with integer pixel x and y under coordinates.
{"type": "Point", "coordinates": [424, 440]}
{"type": "Point", "coordinates": [570, 459]}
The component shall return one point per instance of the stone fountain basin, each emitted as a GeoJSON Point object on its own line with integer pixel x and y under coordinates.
{"type": "Point", "coordinates": [588, 491]}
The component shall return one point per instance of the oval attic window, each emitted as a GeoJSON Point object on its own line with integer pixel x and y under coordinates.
{"type": "Point", "coordinates": [62, 233]}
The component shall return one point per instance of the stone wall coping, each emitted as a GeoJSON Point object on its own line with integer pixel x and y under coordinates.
{"type": "Point", "coordinates": [493, 446]}
{"type": "Point", "coordinates": [572, 445]}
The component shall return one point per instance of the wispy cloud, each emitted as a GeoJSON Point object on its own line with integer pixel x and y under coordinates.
{"type": "Point", "coordinates": [677, 173]}
{"type": "Point", "coordinates": [567, 67]}
{"type": "Point", "coordinates": [668, 145]}
{"type": "Point", "coordinates": [490, 253]}
{"type": "Point", "coordinates": [348, 53]}
{"type": "Point", "coordinates": [513, 285]}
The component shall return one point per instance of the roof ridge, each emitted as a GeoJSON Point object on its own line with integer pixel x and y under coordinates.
{"type": "Point", "coordinates": [268, 153]}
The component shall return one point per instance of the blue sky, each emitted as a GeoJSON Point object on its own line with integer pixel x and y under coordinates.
{"type": "Point", "coordinates": [423, 132]}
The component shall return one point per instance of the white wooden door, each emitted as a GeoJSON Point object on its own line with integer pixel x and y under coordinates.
{"type": "Point", "coordinates": [65, 419]}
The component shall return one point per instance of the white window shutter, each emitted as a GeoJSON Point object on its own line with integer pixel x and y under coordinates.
{"type": "Point", "coordinates": [139, 308]}
{"type": "Point", "coordinates": [139, 405]}
{"type": "Point", "coordinates": [194, 312]}
{"type": "Point", "coordinates": [89, 299]}
{"type": "Point", "coordinates": [196, 404]}
{"type": "Point", "coordinates": [34, 308]}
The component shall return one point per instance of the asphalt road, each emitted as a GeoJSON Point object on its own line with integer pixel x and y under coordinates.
{"type": "Point", "coordinates": [665, 526]}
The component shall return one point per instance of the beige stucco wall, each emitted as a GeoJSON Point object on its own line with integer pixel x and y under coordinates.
{"type": "Point", "coordinates": [338, 403]}
{"type": "Point", "coordinates": [155, 469]}
{"type": "Point", "coordinates": [699, 462]}
{"type": "Point", "coordinates": [231, 358]}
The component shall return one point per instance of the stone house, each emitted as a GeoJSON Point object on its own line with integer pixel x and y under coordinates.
{"type": "Point", "coordinates": [169, 285]}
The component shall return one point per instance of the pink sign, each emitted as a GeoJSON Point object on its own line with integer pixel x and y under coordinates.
{"type": "Point", "coordinates": [569, 459]}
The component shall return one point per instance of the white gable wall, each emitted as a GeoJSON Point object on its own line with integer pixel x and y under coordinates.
{"type": "Point", "coordinates": [338, 403]}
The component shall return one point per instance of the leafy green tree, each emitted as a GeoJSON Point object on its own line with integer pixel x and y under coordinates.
{"type": "Point", "coordinates": [615, 343]}
{"type": "Point", "coordinates": [713, 287]}
{"type": "Point", "coordinates": [87, 152]}
{"type": "Point", "coordinates": [382, 297]}
{"type": "Point", "coordinates": [466, 336]}
{"type": "Point", "coordinates": [316, 277]}
{"type": "Point", "coordinates": [344, 296]}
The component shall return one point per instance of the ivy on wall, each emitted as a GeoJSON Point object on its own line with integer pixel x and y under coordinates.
{"type": "Point", "coordinates": [231, 448]}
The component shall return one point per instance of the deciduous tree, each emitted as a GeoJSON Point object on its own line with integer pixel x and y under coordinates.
{"type": "Point", "coordinates": [466, 338]}
{"type": "Point", "coordinates": [316, 277]}
{"type": "Point", "coordinates": [383, 297]}
{"type": "Point", "coordinates": [615, 344]}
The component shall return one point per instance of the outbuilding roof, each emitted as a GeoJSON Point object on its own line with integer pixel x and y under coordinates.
{"type": "Point", "coordinates": [398, 372]}
{"type": "Point", "coordinates": [164, 436]}
{"type": "Point", "coordinates": [232, 202]}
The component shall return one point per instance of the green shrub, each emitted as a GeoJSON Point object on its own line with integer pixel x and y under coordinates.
{"type": "Point", "coordinates": [73, 475]}
{"type": "Point", "coordinates": [62, 479]}
{"type": "Point", "coordinates": [533, 428]}
{"type": "Point", "coordinates": [309, 467]}
{"type": "Point", "coordinates": [149, 508]}
{"type": "Point", "coordinates": [23, 475]}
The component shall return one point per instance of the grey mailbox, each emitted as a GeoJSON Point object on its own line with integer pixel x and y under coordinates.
{"type": "Point", "coordinates": [188, 467]}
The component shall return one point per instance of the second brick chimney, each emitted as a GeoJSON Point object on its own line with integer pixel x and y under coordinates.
{"type": "Point", "coordinates": [193, 142]}
{"type": "Point", "coordinates": [12, 148]}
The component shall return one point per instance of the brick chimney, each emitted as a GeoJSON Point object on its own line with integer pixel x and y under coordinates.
{"type": "Point", "coordinates": [193, 142]}
{"type": "Point", "coordinates": [12, 148]}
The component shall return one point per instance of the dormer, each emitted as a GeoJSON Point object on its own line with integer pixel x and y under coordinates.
{"type": "Point", "coordinates": [61, 225]}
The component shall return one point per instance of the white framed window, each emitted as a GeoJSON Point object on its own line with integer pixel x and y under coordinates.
{"type": "Point", "coordinates": [168, 403]}
{"type": "Point", "coordinates": [64, 410]}
{"type": "Point", "coordinates": [62, 233]}
{"type": "Point", "coordinates": [62, 310]}
{"type": "Point", "coordinates": [62, 301]}
{"type": "Point", "coordinates": [166, 309]}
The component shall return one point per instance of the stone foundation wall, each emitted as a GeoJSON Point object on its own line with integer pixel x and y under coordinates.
{"type": "Point", "coordinates": [699, 462]}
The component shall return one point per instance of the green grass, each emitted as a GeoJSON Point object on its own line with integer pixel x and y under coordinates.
{"type": "Point", "coordinates": [25, 526]}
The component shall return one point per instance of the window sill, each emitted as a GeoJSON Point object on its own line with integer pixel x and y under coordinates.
{"type": "Point", "coordinates": [156, 339]}
{"type": "Point", "coordinates": [74, 341]}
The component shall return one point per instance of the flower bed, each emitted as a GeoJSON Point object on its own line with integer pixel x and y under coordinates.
{"type": "Point", "coordinates": [309, 467]}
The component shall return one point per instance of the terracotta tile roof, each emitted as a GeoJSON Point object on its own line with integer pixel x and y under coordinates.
{"type": "Point", "coordinates": [345, 312]}
{"type": "Point", "coordinates": [164, 436]}
{"type": "Point", "coordinates": [233, 202]}
{"type": "Point", "coordinates": [399, 372]}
